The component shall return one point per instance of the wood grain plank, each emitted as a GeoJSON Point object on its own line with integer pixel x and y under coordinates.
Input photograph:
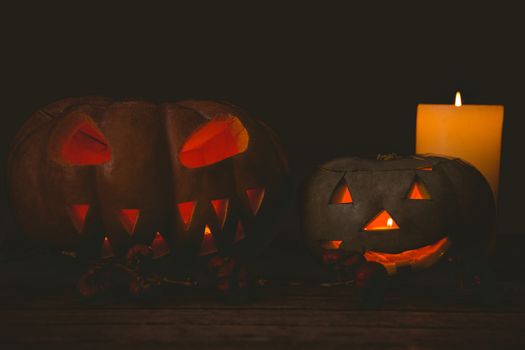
{"type": "Point", "coordinates": [212, 336]}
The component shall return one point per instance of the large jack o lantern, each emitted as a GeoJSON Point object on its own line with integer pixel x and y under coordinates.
{"type": "Point", "coordinates": [402, 212]}
{"type": "Point", "coordinates": [189, 178]}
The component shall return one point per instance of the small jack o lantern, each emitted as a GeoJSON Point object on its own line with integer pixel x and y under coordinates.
{"type": "Point", "coordinates": [191, 178]}
{"type": "Point", "coordinates": [402, 212]}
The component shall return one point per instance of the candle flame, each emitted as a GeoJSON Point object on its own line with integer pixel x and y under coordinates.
{"type": "Point", "coordinates": [458, 99]}
{"type": "Point", "coordinates": [390, 222]}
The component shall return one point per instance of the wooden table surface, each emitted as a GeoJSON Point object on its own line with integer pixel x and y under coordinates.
{"type": "Point", "coordinates": [40, 309]}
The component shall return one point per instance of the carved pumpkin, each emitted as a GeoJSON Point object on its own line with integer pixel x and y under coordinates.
{"type": "Point", "coordinates": [193, 177]}
{"type": "Point", "coordinates": [397, 211]}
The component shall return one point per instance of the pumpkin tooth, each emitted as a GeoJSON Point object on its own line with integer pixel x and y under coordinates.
{"type": "Point", "coordinates": [186, 211]}
{"type": "Point", "coordinates": [107, 249]}
{"type": "Point", "coordinates": [159, 246]}
{"type": "Point", "coordinates": [78, 214]}
{"type": "Point", "coordinates": [208, 243]}
{"type": "Point", "coordinates": [255, 198]}
{"type": "Point", "coordinates": [220, 206]}
{"type": "Point", "coordinates": [129, 219]}
{"type": "Point", "coordinates": [239, 233]}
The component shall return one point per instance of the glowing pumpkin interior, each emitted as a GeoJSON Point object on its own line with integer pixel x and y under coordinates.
{"type": "Point", "coordinates": [418, 191]}
{"type": "Point", "coordinates": [331, 245]}
{"type": "Point", "coordinates": [341, 194]}
{"type": "Point", "coordinates": [159, 246]}
{"type": "Point", "coordinates": [107, 250]}
{"type": "Point", "coordinates": [220, 138]}
{"type": "Point", "coordinates": [208, 244]}
{"type": "Point", "coordinates": [80, 142]}
{"type": "Point", "coordinates": [78, 214]}
{"type": "Point", "coordinates": [239, 233]}
{"type": "Point", "coordinates": [381, 222]}
{"type": "Point", "coordinates": [129, 218]}
{"type": "Point", "coordinates": [418, 258]}
{"type": "Point", "coordinates": [186, 210]}
{"type": "Point", "coordinates": [220, 206]}
{"type": "Point", "coordinates": [255, 198]}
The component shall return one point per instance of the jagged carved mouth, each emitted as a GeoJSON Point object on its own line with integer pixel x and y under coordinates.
{"type": "Point", "coordinates": [417, 259]}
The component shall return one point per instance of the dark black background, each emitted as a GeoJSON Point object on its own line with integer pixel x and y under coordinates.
{"type": "Point", "coordinates": [331, 80]}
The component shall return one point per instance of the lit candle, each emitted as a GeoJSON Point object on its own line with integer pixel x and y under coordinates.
{"type": "Point", "coordinates": [470, 132]}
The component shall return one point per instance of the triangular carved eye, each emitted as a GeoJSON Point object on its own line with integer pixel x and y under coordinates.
{"type": "Point", "coordinates": [220, 206]}
{"type": "Point", "coordinates": [186, 210]}
{"type": "Point", "coordinates": [418, 191]}
{"type": "Point", "coordinates": [341, 194]}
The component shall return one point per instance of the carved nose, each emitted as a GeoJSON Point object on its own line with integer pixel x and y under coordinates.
{"type": "Point", "coordinates": [381, 222]}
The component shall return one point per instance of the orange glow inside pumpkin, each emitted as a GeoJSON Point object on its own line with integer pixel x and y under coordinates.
{"type": "Point", "coordinates": [418, 191]}
{"type": "Point", "coordinates": [84, 144]}
{"type": "Point", "coordinates": [341, 194]}
{"type": "Point", "coordinates": [425, 168]}
{"type": "Point", "coordinates": [381, 222]}
{"type": "Point", "coordinates": [129, 218]}
{"type": "Point", "coordinates": [186, 210]}
{"type": "Point", "coordinates": [331, 245]}
{"type": "Point", "coordinates": [159, 246]}
{"type": "Point", "coordinates": [78, 214]}
{"type": "Point", "coordinates": [208, 244]}
{"type": "Point", "coordinates": [255, 197]}
{"type": "Point", "coordinates": [239, 233]}
{"type": "Point", "coordinates": [107, 249]}
{"type": "Point", "coordinates": [417, 258]}
{"type": "Point", "coordinates": [221, 138]}
{"type": "Point", "coordinates": [220, 206]}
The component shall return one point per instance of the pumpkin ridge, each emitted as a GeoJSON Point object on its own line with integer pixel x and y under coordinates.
{"type": "Point", "coordinates": [193, 109]}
